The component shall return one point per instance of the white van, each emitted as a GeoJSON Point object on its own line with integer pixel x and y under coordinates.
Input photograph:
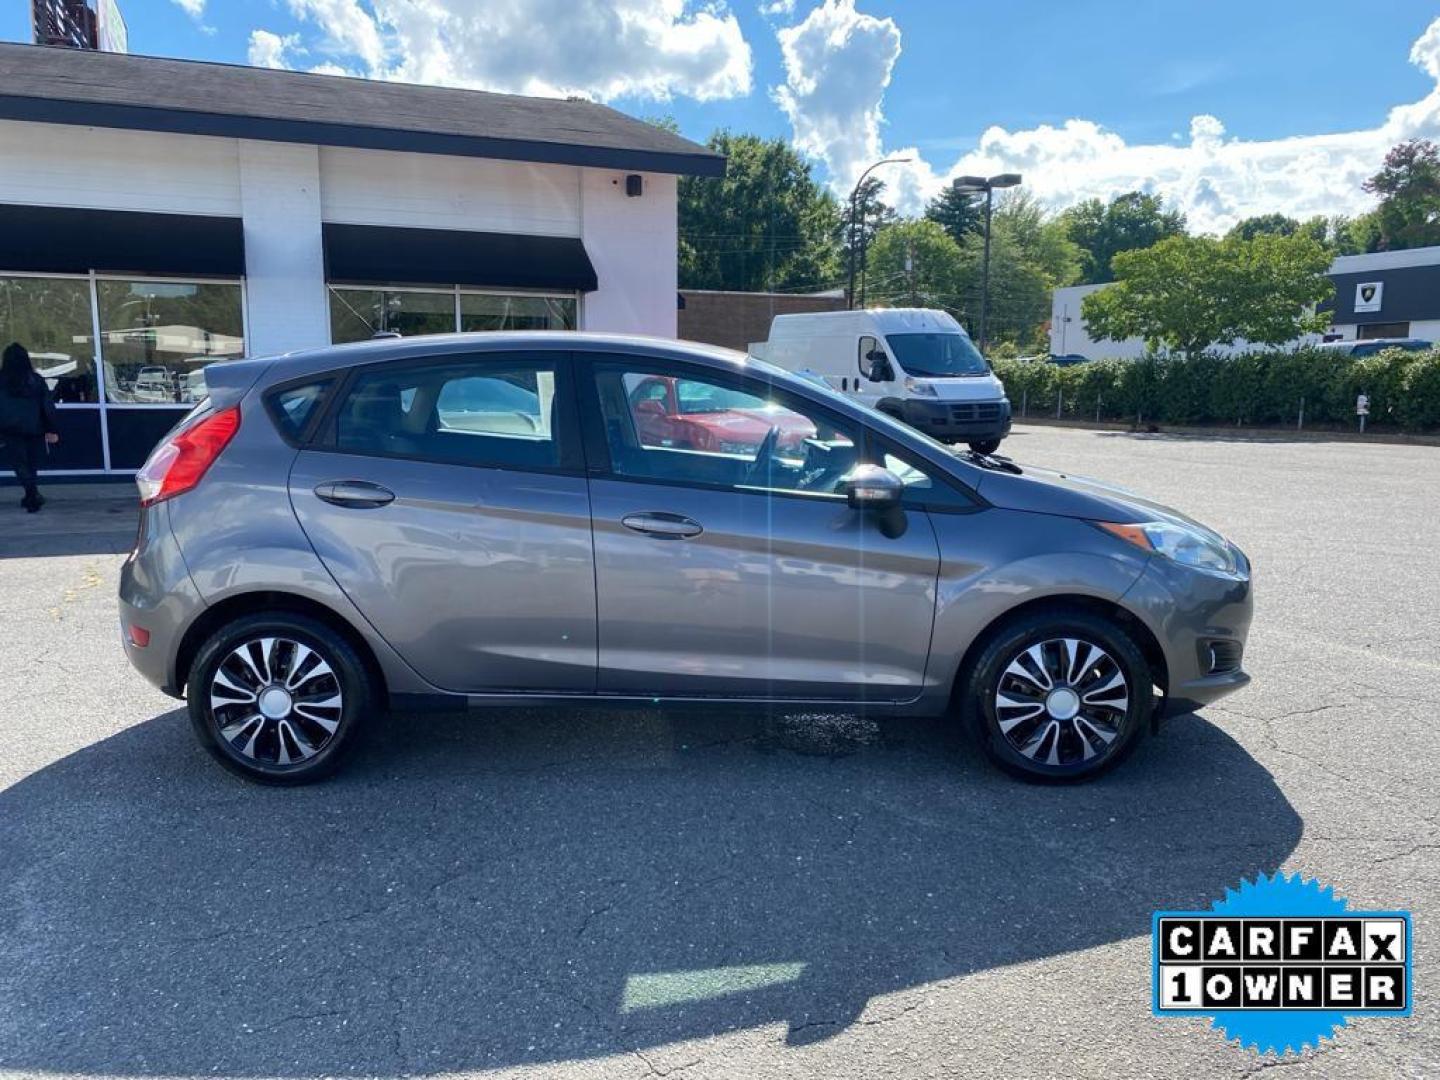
{"type": "Point", "coordinates": [916, 364]}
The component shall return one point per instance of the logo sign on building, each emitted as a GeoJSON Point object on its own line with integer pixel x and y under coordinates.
{"type": "Point", "coordinates": [111, 33]}
{"type": "Point", "coordinates": [1369, 295]}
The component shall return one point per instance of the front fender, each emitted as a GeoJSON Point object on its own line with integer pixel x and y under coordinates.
{"type": "Point", "coordinates": [996, 561]}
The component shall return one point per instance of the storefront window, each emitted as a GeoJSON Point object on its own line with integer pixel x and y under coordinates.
{"type": "Point", "coordinates": [357, 314]}
{"type": "Point", "coordinates": [488, 311]}
{"type": "Point", "coordinates": [51, 318]}
{"type": "Point", "coordinates": [158, 336]}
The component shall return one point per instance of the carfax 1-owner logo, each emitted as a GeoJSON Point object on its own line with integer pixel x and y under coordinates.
{"type": "Point", "coordinates": [1280, 963]}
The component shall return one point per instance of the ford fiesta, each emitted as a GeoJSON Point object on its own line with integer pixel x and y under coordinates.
{"type": "Point", "coordinates": [507, 519]}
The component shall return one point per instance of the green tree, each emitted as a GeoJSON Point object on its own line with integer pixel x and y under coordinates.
{"type": "Point", "coordinates": [1409, 188]}
{"type": "Point", "coordinates": [1191, 292]}
{"type": "Point", "coordinates": [1039, 238]}
{"type": "Point", "coordinates": [958, 213]}
{"type": "Point", "coordinates": [1130, 221]}
{"type": "Point", "coordinates": [1268, 225]}
{"type": "Point", "coordinates": [914, 263]}
{"type": "Point", "coordinates": [765, 225]}
{"type": "Point", "coordinates": [1019, 288]}
{"type": "Point", "coordinates": [872, 213]}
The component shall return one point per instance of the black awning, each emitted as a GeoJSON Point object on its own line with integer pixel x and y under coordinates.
{"type": "Point", "coordinates": [68, 240]}
{"type": "Point", "coordinates": [381, 255]}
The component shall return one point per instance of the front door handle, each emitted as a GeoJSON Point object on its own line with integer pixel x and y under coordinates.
{"type": "Point", "coordinates": [354, 494]}
{"type": "Point", "coordinates": [658, 523]}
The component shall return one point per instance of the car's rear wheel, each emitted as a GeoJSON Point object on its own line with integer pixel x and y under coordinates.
{"type": "Point", "coordinates": [985, 446]}
{"type": "Point", "coordinates": [1059, 695]}
{"type": "Point", "coordinates": [278, 698]}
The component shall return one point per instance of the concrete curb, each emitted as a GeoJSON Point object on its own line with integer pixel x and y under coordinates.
{"type": "Point", "coordinates": [1241, 434]}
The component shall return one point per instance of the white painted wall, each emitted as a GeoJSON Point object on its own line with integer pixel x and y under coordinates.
{"type": "Point", "coordinates": [284, 191]}
{"type": "Point", "coordinates": [284, 250]}
{"type": "Point", "coordinates": [431, 191]}
{"type": "Point", "coordinates": [633, 244]}
{"type": "Point", "coordinates": [1069, 334]}
{"type": "Point", "coordinates": [1425, 329]}
{"type": "Point", "coordinates": [64, 165]}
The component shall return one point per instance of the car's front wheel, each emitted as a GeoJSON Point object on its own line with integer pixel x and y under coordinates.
{"type": "Point", "coordinates": [985, 446]}
{"type": "Point", "coordinates": [1059, 695]}
{"type": "Point", "coordinates": [278, 698]}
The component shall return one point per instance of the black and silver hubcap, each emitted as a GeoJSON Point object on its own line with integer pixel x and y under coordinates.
{"type": "Point", "coordinates": [1062, 702]}
{"type": "Point", "coordinates": [275, 701]}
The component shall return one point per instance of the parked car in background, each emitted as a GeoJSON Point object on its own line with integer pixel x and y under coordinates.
{"type": "Point", "coordinates": [915, 364]}
{"type": "Point", "coordinates": [482, 520]}
{"type": "Point", "coordinates": [1068, 359]}
{"type": "Point", "coordinates": [1372, 346]}
{"type": "Point", "coordinates": [691, 415]}
{"type": "Point", "coordinates": [153, 384]}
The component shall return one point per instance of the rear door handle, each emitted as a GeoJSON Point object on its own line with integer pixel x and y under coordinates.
{"type": "Point", "coordinates": [354, 494]}
{"type": "Point", "coordinates": [658, 523]}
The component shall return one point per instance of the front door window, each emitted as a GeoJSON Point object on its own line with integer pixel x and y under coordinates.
{"type": "Point", "coordinates": [719, 432]}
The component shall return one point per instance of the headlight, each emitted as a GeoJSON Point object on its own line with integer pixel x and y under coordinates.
{"type": "Point", "coordinates": [1180, 543]}
{"type": "Point", "coordinates": [920, 387]}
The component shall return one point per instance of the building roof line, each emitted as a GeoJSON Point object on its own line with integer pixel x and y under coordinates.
{"type": "Point", "coordinates": [70, 86]}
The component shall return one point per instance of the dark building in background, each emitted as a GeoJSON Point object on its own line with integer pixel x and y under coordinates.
{"type": "Point", "coordinates": [70, 24]}
{"type": "Point", "coordinates": [735, 319]}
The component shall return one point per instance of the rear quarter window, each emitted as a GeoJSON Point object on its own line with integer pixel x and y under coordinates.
{"type": "Point", "coordinates": [294, 407]}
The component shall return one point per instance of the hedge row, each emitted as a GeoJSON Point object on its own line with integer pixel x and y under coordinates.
{"type": "Point", "coordinates": [1252, 388]}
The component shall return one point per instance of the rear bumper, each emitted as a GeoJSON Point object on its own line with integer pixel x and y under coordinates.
{"type": "Point", "coordinates": [953, 420]}
{"type": "Point", "coordinates": [158, 596]}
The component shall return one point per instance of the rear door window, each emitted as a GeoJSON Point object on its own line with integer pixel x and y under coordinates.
{"type": "Point", "coordinates": [493, 409]}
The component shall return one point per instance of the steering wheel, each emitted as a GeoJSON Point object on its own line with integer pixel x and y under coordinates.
{"type": "Point", "coordinates": [763, 454]}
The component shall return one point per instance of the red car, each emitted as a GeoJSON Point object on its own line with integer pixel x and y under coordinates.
{"type": "Point", "coordinates": [702, 416]}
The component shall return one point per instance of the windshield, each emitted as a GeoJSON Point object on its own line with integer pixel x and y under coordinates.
{"type": "Point", "coordinates": [937, 354]}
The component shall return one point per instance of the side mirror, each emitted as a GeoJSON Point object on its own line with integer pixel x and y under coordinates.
{"type": "Point", "coordinates": [871, 487]}
{"type": "Point", "coordinates": [651, 407]}
{"type": "Point", "coordinates": [880, 367]}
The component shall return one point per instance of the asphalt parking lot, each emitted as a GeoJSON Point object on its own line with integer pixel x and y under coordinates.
{"type": "Point", "coordinates": [636, 894]}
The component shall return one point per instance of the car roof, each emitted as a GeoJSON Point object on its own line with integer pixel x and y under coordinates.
{"type": "Point", "coordinates": [285, 366]}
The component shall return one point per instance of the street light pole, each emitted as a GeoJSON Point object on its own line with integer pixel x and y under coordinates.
{"type": "Point", "coordinates": [857, 237]}
{"type": "Point", "coordinates": [973, 185]}
{"type": "Point", "coordinates": [985, 268]}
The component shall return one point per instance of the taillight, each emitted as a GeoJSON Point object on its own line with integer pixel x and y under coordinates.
{"type": "Point", "coordinates": [178, 463]}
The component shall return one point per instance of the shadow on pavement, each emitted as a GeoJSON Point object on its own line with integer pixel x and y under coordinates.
{"type": "Point", "coordinates": [67, 525]}
{"type": "Point", "coordinates": [476, 892]}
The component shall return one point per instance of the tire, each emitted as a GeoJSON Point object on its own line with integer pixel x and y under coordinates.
{"type": "Point", "coordinates": [1088, 718]}
{"type": "Point", "coordinates": [985, 446]}
{"type": "Point", "coordinates": [282, 738]}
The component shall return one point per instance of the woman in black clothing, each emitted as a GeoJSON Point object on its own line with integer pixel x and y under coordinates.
{"type": "Point", "coordinates": [27, 420]}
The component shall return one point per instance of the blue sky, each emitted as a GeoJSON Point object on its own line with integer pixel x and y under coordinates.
{"type": "Point", "coordinates": [1283, 90]}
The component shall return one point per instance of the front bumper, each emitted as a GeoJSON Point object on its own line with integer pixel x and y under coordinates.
{"type": "Point", "coordinates": [954, 421]}
{"type": "Point", "coordinates": [1201, 622]}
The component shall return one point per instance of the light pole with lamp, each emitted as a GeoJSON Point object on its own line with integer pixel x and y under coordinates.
{"type": "Point", "coordinates": [973, 185]}
{"type": "Point", "coordinates": [856, 238]}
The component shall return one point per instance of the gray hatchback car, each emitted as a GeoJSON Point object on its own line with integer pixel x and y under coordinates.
{"type": "Point", "coordinates": [501, 519]}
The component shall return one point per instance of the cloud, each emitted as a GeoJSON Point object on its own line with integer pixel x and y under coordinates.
{"type": "Point", "coordinates": [838, 63]}
{"type": "Point", "coordinates": [194, 8]}
{"type": "Point", "coordinates": [269, 50]}
{"type": "Point", "coordinates": [598, 48]}
{"type": "Point", "coordinates": [837, 66]}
